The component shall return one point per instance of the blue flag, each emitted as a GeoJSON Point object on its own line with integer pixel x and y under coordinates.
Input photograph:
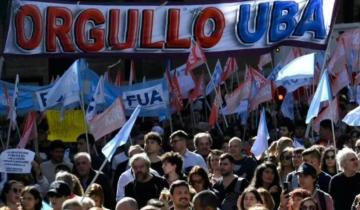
{"type": "Point", "coordinates": [353, 117]}
{"type": "Point", "coordinates": [287, 106]}
{"type": "Point", "coordinates": [322, 93]}
{"type": "Point", "coordinates": [215, 78]}
{"type": "Point", "coordinates": [122, 136]}
{"type": "Point", "coordinates": [261, 142]}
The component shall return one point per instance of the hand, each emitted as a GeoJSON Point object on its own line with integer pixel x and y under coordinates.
{"type": "Point", "coordinates": [284, 201]}
{"type": "Point", "coordinates": [37, 169]}
{"type": "Point", "coordinates": [274, 189]}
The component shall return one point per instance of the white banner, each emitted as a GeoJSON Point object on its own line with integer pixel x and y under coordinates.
{"type": "Point", "coordinates": [39, 27]}
{"type": "Point", "coordinates": [16, 161]}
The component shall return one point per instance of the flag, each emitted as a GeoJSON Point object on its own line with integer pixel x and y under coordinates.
{"type": "Point", "coordinates": [301, 67]}
{"type": "Point", "coordinates": [196, 57]}
{"type": "Point", "coordinates": [357, 79]}
{"type": "Point", "coordinates": [132, 75]}
{"type": "Point", "coordinates": [341, 80]}
{"type": "Point", "coordinates": [214, 113]}
{"type": "Point", "coordinates": [294, 53]}
{"type": "Point", "coordinates": [230, 67]}
{"type": "Point", "coordinates": [97, 99]}
{"type": "Point", "coordinates": [287, 106]}
{"type": "Point", "coordinates": [241, 93]}
{"type": "Point", "coordinates": [187, 80]}
{"type": "Point", "coordinates": [198, 91]}
{"type": "Point", "coordinates": [122, 136]}
{"type": "Point", "coordinates": [66, 91]}
{"type": "Point", "coordinates": [322, 93]}
{"type": "Point", "coordinates": [106, 77]}
{"type": "Point", "coordinates": [264, 59]}
{"type": "Point", "coordinates": [118, 79]}
{"type": "Point", "coordinates": [215, 78]}
{"type": "Point", "coordinates": [331, 112]}
{"type": "Point", "coordinates": [261, 142]}
{"type": "Point", "coordinates": [108, 121]}
{"type": "Point", "coordinates": [13, 103]}
{"type": "Point", "coordinates": [173, 83]}
{"type": "Point", "coordinates": [29, 131]}
{"type": "Point", "coordinates": [338, 58]}
{"type": "Point", "coordinates": [353, 117]}
{"type": "Point", "coordinates": [263, 94]}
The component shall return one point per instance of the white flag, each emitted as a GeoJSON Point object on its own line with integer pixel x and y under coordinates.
{"type": "Point", "coordinates": [261, 142]}
{"type": "Point", "coordinates": [97, 99]}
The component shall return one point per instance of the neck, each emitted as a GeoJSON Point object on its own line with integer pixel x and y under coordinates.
{"type": "Point", "coordinates": [331, 169]}
{"type": "Point", "coordinates": [266, 185]}
{"type": "Point", "coordinates": [153, 157]}
{"type": "Point", "coordinates": [182, 152]}
{"type": "Point", "coordinates": [228, 177]}
{"type": "Point", "coordinates": [146, 179]}
{"type": "Point", "coordinates": [217, 173]}
{"type": "Point", "coordinates": [310, 189]}
{"type": "Point", "coordinates": [172, 177]}
{"type": "Point", "coordinates": [349, 173]}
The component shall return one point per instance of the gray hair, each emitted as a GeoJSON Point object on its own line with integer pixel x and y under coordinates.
{"type": "Point", "coordinates": [342, 155]}
{"type": "Point", "coordinates": [82, 154]}
{"type": "Point", "coordinates": [70, 203]}
{"type": "Point", "coordinates": [140, 156]}
{"type": "Point", "coordinates": [128, 202]}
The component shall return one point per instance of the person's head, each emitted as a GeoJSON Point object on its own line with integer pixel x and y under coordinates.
{"type": "Point", "coordinates": [172, 162]}
{"type": "Point", "coordinates": [286, 157]}
{"type": "Point", "coordinates": [266, 175]}
{"type": "Point", "coordinates": [58, 192]}
{"type": "Point", "coordinates": [72, 204]}
{"type": "Point", "coordinates": [158, 204]}
{"type": "Point", "coordinates": [178, 141]}
{"type": "Point", "coordinates": [82, 162]}
{"type": "Point", "coordinates": [81, 143]}
{"type": "Point", "coordinates": [203, 143]}
{"type": "Point", "coordinates": [286, 128]}
{"type": "Point", "coordinates": [180, 194]}
{"type": "Point", "coordinates": [135, 149]}
{"type": "Point", "coordinates": [297, 157]}
{"type": "Point", "coordinates": [31, 198]}
{"type": "Point", "coordinates": [266, 198]}
{"type": "Point", "coordinates": [72, 181]}
{"type": "Point", "coordinates": [357, 146]}
{"type": "Point", "coordinates": [96, 193]}
{"type": "Point", "coordinates": [153, 142]}
{"type": "Point", "coordinates": [308, 203]}
{"type": "Point", "coordinates": [226, 164]}
{"type": "Point", "coordinates": [140, 165]}
{"type": "Point", "coordinates": [150, 207]}
{"type": "Point", "coordinates": [307, 176]}
{"type": "Point", "coordinates": [300, 128]}
{"type": "Point", "coordinates": [281, 144]}
{"type": "Point", "coordinates": [357, 202]}
{"type": "Point", "coordinates": [213, 160]}
{"type": "Point", "coordinates": [325, 130]}
{"type": "Point", "coordinates": [296, 196]}
{"type": "Point", "coordinates": [198, 179]}
{"type": "Point", "coordinates": [87, 203]}
{"type": "Point", "coordinates": [328, 159]}
{"type": "Point", "coordinates": [11, 192]}
{"type": "Point", "coordinates": [235, 148]}
{"type": "Point", "coordinates": [127, 203]}
{"type": "Point", "coordinates": [205, 200]}
{"type": "Point", "coordinates": [312, 156]}
{"type": "Point", "coordinates": [347, 161]}
{"type": "Point", "coordinates": [250, 197]}
{"type": "Point", "coordinates": [57, 149]}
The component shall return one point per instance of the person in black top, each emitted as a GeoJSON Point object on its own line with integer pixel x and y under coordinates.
{"type": "Point", "coordinates": [152, 148]}
{"type": "Point", "coordinates": [345, 185]}
{"type": "Point", "coordinates": [145, 186]}
{"type": "Point", "coordinates": [231, 186]}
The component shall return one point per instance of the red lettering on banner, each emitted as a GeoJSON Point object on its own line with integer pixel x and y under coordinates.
{"type": "Point", "coordinates": [146, 31]}
{"type": "Point", "coordinates": [207, 14]}
{"type": "Point", "coordinates": [36, 33]}
{"type": "Point", "coordinates": [62, 32]}
{"type": "Point", "coordinates": [96, 34]}
{"type": "Point", "coordinates": [131, 30]}
{"type": "Point", "coordinates": [173, 40]}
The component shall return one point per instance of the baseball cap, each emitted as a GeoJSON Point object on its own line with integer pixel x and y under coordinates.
{"type": "Point", "coordinates": [59, 188]}
{"type": "Point", "coordinates": [307, 169]}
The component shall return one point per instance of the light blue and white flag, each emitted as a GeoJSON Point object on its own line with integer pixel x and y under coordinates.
{"type": "Point", "coordinates": [300, 67]}
{"type": "Point", "coordinates": [322, 93]}
{"type": "Point", "coordinates": [122, 136]}
{"type": "Point", "coordinates": [13, 104]}
{"type": "Point", "coordinates": [215, 78]}
{"type": "Point", "coordinates": [261, 142]}
{"type": "Point", "coordinates": [353, 117]}
{"type": "Point", "coordinates": [287, 106]}
{"type": "Point", "coordinates": [97, 99]}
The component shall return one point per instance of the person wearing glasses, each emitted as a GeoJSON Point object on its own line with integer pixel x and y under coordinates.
{"type": "Point", "coordinates": [11, 194]}
{"type": "Point", "coordinates": [308, 204]}
{"type": "Point", "coordinates": [345, 185]}
{"type": "Point", "coordinates": [328, 162]}
{"type": "Point", "coordinates": [285, 165]}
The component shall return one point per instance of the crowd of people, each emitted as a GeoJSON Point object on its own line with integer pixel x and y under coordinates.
{"type": "Point", "coordinates": [182, 171]}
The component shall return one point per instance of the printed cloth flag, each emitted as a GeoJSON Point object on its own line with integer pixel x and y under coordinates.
{"type": "Point", "coordinates": [264, 59]}
{"type": "Point", "coordinates": [196, 57]}
{"type": "Point", "coordinates": [198, 91]}
{"type": "Point", "coordinates": [338, 58]}
{"type": "Point", "coordinates": [214, 113]}
{"type": "Point", "coordinates": [294, 53]}
{"type": "Point", "coordinates": [109, 120]}
{"type": "Point", "coordinates": [242, 92]}
{"type": "Point", "coordinates": [215, 79]}
{"type": "Point", "coordinates": [265, 93]}
{"type": "Point", "coordinates": [13, 104]}
{"type": "Point", "coordinates": [122, 136]}
{"type": "Point", "coordinates": [132, 75]}
{"type": "Point", "coordinates": [66, 91]}
{"type": "Point", "coordinates": [231, 66]}
{"type": "Point", "coordinates": [119, 79]}
{"type": "Point", "coordinates": [261, 142]}
{"type": "Point", "coordinates": [341, 80]}
{"type": "Point", "coordinates": [29, 131]}
{"type": "Point", "coordinates": [331, 112]}
{"type": "Point", "coordinates": [287, 106]}
{"type": "Point", "coordinates": [186, 81]}
{"type": "Point", "coordinates": [97, 99]}
{"type": "Point", "coordinates": [353, 117]}
{"type": "Point", "coordinates": [173, 83]}
{"type": "Point", "coordinates": [322, 93]}
{"type": "Point", "coordinates": [300, 67]}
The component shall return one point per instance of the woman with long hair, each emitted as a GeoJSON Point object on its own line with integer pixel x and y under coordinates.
{"type": "Point", "coordinates": [285, 164]}
{"type": "Point", "coordinates": [11, 193]}
{"type": "Point", "coordinates": [31, 199]}
{"type": "Point", "coordinates": [249, 198]}
{"type": "Point", "coordinates": [328, 161]}
{"type": "Point", "coordinates": [172, 166]}
{"type": "Point", "coordinates": [308, 203]}
{"type": "Point", "coordinates": [267, 176]}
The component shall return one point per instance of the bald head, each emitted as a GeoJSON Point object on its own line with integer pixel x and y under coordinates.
{"type": "Point", "coordinates": [127, 203]}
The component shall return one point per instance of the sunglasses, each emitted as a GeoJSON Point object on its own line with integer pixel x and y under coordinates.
{"type": "Point", "coordinates": [311, 207]}
{"type": "Point", "coordinates": [16, 190]}
{"type": "Point", "coordinates": [330, 157]}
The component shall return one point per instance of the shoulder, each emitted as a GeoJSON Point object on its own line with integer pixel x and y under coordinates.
{"type": "Point", "coordinates": [46, 163]}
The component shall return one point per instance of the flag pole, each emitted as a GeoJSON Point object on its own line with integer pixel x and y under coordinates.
{"type": "Point", "coordinates": [85, 124]}
{"type": "Point", "coordinates": [8, 135]}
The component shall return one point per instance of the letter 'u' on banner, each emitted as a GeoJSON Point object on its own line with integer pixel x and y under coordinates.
{"type": "Point", "coordinates": [67, 129]}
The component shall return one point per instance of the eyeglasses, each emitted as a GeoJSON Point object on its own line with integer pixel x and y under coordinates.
{"type": "Point", "coordinates": [330, 157]}
{"type": "Point", "coordinates": [310, 207]}
{"type": "Point", "coordinates": [16, 190]}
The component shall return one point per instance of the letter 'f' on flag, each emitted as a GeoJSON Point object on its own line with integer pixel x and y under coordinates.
{"type": "Point", "coordinates": [122, 136]}
{"type": "Point", "coordinates": [322, 93]}
{"type": "Point", "coordinates": [261, 142]}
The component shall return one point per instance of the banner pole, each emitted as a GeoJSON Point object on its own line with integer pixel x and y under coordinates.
{"type": "Point", "coordinates": [85, 124]}
{"type": "Point", "coordinates": [8, 135]}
